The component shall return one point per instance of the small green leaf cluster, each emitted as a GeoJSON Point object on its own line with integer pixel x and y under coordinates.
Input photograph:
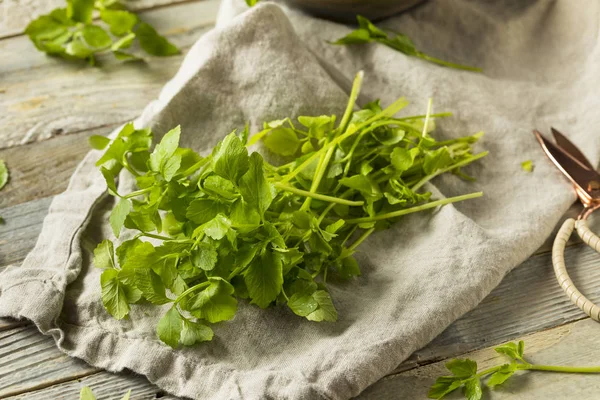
{"type": "Point", "coordinates": [232, 226]}
{"type": "Point", "coordinates": [70, 32]}
{"type": "Point", "coordinates": [87, 394]}
{"type": "Point", "coordinates": [367, 32]}
{"type": "Point", "coordinates": [464, 373]}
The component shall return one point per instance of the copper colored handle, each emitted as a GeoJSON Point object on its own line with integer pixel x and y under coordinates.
{"type": "Point", "coordinates": [560, 269]}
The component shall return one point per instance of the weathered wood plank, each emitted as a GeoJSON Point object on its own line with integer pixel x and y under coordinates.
{"type": "Point", "coordinates": [104, 385]}
{"type": "Point", "coordinates": [577, 343]}
{"type": "Point", "coordinates": [43, 97]}
{"type": "Point", "coordinates": [43, 169]}
{"type": "Point", "coordinates": [20, 230]}
{"type": "Point", "coordinates": [16, 14]}
{"type": "Point", "coordinates": [29, 360]}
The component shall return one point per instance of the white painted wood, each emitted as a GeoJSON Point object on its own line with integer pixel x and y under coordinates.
{"type": "Point", "coordinates": [44, 97]}
{"type": "Point", "coordinates": [575, 344]}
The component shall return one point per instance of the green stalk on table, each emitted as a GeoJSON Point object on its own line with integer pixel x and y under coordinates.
{"type": "Point", "coordinates": [465, 375]}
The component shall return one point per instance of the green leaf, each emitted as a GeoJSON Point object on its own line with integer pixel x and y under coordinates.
{"type": "Point", "coordinates": [169, 327]}
{"type": "Point", "coordinates": [163, 159]}
{"type": "Point", "coordinates": [443, 386]}
{"type": "Point", "coordinates": [114, 296]}
{"type": "Point", "coordinates": [402, 159]}
{"type": "Point", "coordinates": [462, 368]}
{"type": "Point", "coordinates": [512, 350]}
{"type": "Point", "coordinates": [358, 36]}
{"type": "Point", "coordinates": [151, 286]}
{"type": "Point", "coordinates": [473, 389]}
{"type": "Point", "coordinates": [96, 37]}
{"type": "Point", "coordinates": [118, 215]}
{"type": "Point", "coordinates": [195, 332]}
{"type": "Point", "coordinates": [282, 141]}
{"type": "Point", "coordinates": [135, 253]}
{"type": "Point", "coordinates": [255, 188]}
{"type": "Point", "coordinates": [214, 303]}
{"type": "Point", "coordinates": [86, 394]}
{"type": "Point", "coordinates": [3, 174]}
{"type": "Point", "coordinates": [78, 49]}
{"type": "Point", "coordinates": [326, 310]}
{"type": "Point", "coordinates": [217, 227]}
{"type": "Point", "coordinates": [98, 142]}
{"type": "Point", "coordinates": [374, 31]}
{"type": "Point", "coordinates": [500, 376]}
{"type": "Point", "coordinates": [45, 28]}
{"type": "Point", "coordinates": [437, 159]}
{"type": "Point", "coordinates": [153, 43]}
{"type": "Point", "coordinates": [264, 279]}
{"type": "Point", "coordinates": [527, 166]}
{"type": "Point", "coordinates": [221, 187]}
{"type": "Point", "coordinates": [104, 255]}
{"type": "Point", "coordinates": [205, 257]}
{"type": "Point", "coordinates": [363, 184]}
{"type": "Point", "coordinates": [230, 158]}
{"type": "Point", "coordinates": [349, 268]}
{"type": "Point", "coordinates": [120, 22]}
{"type": "Point", "coordinates": [127, 395]}
{"type": "Point", "coordinates": [80, 10]}
{"type": "Point", "coordinates": [333, 228]}
{"type": "Point", "coordinates": [251, 3]}
{"type": "Point", "coordinates": [203, 210]}
{"type": "Point", "coordinates": [302, 304]}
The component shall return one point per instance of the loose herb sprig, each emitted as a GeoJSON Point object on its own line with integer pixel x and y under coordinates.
{"type": "Point", "coordinates": [87, 394]}
{"type": "Point", "coordinates": [367, 32]}
{"type": "Point", "coordinates": [70, 32]}
{"type": "Point", "coordinates": [465, 375]}
{"type": "Point", "coordinates": [231, 225]}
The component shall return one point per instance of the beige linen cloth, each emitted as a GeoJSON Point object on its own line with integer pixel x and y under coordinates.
{"type": "Point", "coordinates": [541, 62]}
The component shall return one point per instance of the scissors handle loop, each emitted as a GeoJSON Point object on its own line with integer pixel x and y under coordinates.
{"type": "Point", "coordinates": [560, 269]}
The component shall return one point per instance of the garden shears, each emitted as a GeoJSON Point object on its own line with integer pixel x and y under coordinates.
{"type": "Point", "coordinates": [586, 181]}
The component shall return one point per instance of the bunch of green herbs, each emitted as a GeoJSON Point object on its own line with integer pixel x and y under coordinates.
{"type": "Point", "coordinates": [71, 32]}
{"type": "Point", "coordinates": [232, 226]}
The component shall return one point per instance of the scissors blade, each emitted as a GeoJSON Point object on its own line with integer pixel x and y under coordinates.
{"type": "Point", "coordinates": [570, 148]}
{"type": "Point", "coordinates": [580, 175]}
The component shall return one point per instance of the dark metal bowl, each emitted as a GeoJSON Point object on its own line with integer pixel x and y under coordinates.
{"type": "Point", "coordinates": [346, 10]}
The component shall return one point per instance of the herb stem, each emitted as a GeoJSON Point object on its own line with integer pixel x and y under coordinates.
{"type": "Point", "coordinates": [448, 168]}
{"type": "Point", "coordinates": [356, 85]}
{"type": "Point", "coordinates": [447, 63]}
{"type": "Point", "coordinates": [317, 196]}
{"type": "Point", "coordinates": [558, 368]}
{"type": "Point", "coordinates": [411, 210]}
{"type": "Point", "coordinates": [137, 193]}
{"type": "Point", "coordinates": [388, 112]}
{"type": "Point", "coordinates": [191, 290]}
{"type": "Point", "coordinates": [361, 239]}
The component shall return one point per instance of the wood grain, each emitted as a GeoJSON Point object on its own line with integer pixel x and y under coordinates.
{"type": "Point", "coordinates": [104, 385]}
{"type": "Point", "coordinates": [49, 175]}
{"type": "Point", "coordinates": [29, 360]}
{"type": "Point", "coordinates": [16, 14]}
{"type": "Point", "coordinates": [576, 344]}
{"type": "Point", "coordinates": [43, 97]}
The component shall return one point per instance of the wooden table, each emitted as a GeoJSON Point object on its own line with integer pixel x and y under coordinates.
{"type": "Point", "coordinates": [48, 109]}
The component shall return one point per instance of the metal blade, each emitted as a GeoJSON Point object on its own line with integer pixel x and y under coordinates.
{"type": "Point", "coordinates": [577, 173]}
{"type": "Point", "coordinates": [570, 148]}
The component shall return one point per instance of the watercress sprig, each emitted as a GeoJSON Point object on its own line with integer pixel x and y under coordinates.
{"type": "Point", "coordinates": [367, 32]}
{"type": "Point", "coordinates": [205, 232]}
{"type": "Point", "coordinates": [71, 33]}
{"type": "Point", "coordinates": [465, 375]}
